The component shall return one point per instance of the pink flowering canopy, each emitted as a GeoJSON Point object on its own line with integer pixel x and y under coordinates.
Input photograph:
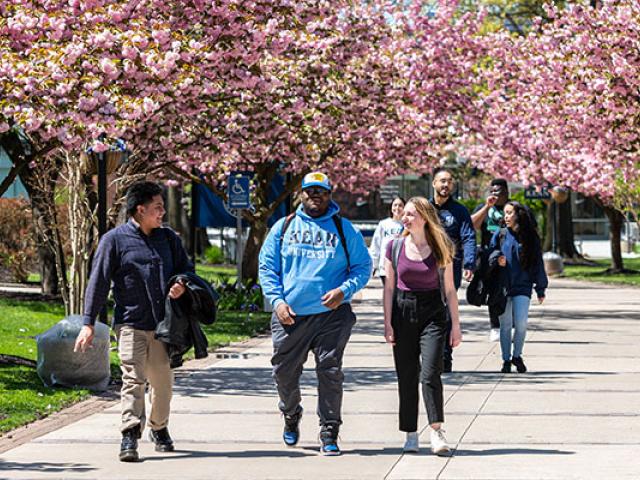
{"type": "Point", "coordinates": [360, 91]}
{"type": "Point", "coordinates": [562, 105]}
{"type": "Point", "coordinates": [72, 71]}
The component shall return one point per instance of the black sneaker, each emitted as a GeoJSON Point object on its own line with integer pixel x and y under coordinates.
{"type": "Point", "coordinates": [291, 433]}
{"type": "Point", "coordinates": [129, 445]}
{"type": "Point", "coordinates": [506, 367]}
{"type": "Point", "coordinates": [447, 366]}
{"type": "Point", "coordinates": [162, 439]}
{"type": "Point", "coordinates": [329, 439]}
{"type": "Point", "coordinates": [520, 366]}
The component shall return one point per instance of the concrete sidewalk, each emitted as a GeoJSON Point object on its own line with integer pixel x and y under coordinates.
{"type": "Point", "coordinates": [576, 415]}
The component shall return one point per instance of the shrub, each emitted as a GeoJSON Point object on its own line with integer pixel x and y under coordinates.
{"type": "Point", "coordinates": [214, 255]}
{"type": "Point", "coordinates": [239, 297]}
{"type": "Point", "coordinates": [17, 238]}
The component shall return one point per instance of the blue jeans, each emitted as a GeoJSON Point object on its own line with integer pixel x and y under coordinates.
{"type": "Point", "coordinates": [515, 316]}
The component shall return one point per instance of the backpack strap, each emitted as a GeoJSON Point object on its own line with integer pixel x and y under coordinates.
{"type": "Point", "coordinates": [285, 225]}
{"type": "Point", "coordinates": [395, 255]}
{"type": "Point", "coordinates": [442, 290]}
{"type": "Point", "coordinates": [337, 220]}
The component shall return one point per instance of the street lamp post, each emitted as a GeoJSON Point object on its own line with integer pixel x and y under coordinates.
{"type": "Point", "coordinates": [102, 194]}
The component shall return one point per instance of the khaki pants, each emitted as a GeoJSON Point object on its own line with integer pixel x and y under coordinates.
{"type": "Point", "coordinates": [143, 358]}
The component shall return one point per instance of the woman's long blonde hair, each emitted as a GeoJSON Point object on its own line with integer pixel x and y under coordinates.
{"type": "Point", "coordinates": [437, 238]}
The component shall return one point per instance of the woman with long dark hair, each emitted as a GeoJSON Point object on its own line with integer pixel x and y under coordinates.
{"type": "Point", "coordinates": [522, 257]}
{"type": "Point", "coordinates": [418, 290]}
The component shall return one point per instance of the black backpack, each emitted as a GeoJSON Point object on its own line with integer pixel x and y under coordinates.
{"type": "Point", "coordinates": [483, 282]}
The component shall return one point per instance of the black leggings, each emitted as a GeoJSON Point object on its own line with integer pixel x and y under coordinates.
{"type": "Point", "coordinates": [419, 324]}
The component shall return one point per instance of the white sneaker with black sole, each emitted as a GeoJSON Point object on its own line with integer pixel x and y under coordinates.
{"type": "Point", "coordinates": [439, 444]}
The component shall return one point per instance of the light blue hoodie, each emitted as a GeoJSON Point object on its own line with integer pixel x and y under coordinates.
{"type": "Point", "coordinates": [312, 262]}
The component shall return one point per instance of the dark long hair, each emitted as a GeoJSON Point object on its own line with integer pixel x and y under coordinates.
{"type": "Point", "coordinates": [527, 236]}
{"type": "Point", "coordinates": [397, 197]}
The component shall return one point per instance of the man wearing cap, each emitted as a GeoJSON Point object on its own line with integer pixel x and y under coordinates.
{"type": "Point", "coordinates": [311, 265]}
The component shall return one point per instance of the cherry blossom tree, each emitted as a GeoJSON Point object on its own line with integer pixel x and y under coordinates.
{"type": "Point", "coordinates": [561, 106]}
{"type": "Point", "coordinates": [80, 74]}
{"type": "Point", "coordinates": [363, 93]}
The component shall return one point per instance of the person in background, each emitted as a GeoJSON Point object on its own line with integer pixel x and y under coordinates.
{"type": "Point", "coordinates": [456, 221]}
{"type": "Point", "coordinates": [419, 289]}
{"type": "Point", "coordinates": [488, 218]}
{"type": "Point", "coordinates": [388, 229]}
{"type": "Point", "coordinates": [522, 257]}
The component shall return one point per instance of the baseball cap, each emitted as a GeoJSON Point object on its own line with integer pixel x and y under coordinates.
{"type": "Point", "coordinates": [316, 179]}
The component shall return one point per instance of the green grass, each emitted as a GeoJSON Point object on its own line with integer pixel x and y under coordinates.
{"type": "Point", "coordinates": [23, 397]}
{"type": "Point", "coordinates": [597, 273]}
{"type": "Point", "coordinates": [217, 273]}
{"type": "Point", "coordinates": [211, 272]}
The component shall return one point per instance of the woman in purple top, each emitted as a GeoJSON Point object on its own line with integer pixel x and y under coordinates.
{"type": "Point", "coordinates": [415, 317]}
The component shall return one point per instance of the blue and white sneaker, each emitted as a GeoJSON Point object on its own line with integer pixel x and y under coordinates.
{"type": "Point", "coordinates": [291, 433]}
{"type": "Point", "coordinates": [329, 440]}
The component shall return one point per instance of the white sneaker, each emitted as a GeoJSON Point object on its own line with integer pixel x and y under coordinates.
{"type": "Point", "coordinates": [494, 335]}
{"type": "Point", "coordinates": [411, 444]}
{"type": "Point", "coordinates": [439, 444]}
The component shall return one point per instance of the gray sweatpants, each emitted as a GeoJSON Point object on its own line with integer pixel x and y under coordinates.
{"type": "Point", "coordinates": [326, 334]}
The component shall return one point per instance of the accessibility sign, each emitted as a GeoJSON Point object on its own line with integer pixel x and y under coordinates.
{"type": "Point", "coordinates": [238, 191]}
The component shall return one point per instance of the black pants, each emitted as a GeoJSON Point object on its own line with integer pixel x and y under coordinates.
{"type": "Point", "coordinates": [419, 323]}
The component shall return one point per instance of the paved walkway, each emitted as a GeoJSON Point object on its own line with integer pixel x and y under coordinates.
{"type": "Point", "coordinates": [575, 416]}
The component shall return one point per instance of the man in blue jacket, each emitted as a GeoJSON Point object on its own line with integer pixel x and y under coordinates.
{"type": "Point", "coordinates": [456, 221]}
{"type": "Point", "coordinates": [311, 265]}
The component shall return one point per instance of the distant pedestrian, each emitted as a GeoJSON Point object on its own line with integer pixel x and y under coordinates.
{"type": "Point", "coordinates": [388, 229]}
{"type": "Point", "coordinates": [311, 265]}
{"type": "Point", "coordinates": [419, 289]}
{"type": "Point", "coordinates": [522, 257]}
{"type": "Point", "coordinates": [456, 221]}
{"type": "Point", "coordinates": [139, 257]}
{"type": "Point", "coordinates": [488, 218]}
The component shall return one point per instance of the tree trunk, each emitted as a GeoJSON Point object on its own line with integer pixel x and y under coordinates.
{"type": "Point", "coordinates": [48, 270]}
{"type": "Point", "coordinates": [41, 192]}
{"type": "Point", "coordinates": [173, 208]}
{"type": "Point", "coordinates": [566, 245]}
{"type": "Point", "coordinates": [21, 153]}
{"type": "Point", "coordinates": [616, 219]}
{"type": "Point", "coordinates": [257, 234]}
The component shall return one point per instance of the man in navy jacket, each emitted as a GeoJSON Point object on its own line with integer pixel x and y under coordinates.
{"type": "Point", "coordinates": [138, 258]}
{"type": "Point", "coordinates": [456, 221]}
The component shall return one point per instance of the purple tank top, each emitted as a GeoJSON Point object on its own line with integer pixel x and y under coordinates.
{"type": "Point", "coordinates": [415, 275]}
